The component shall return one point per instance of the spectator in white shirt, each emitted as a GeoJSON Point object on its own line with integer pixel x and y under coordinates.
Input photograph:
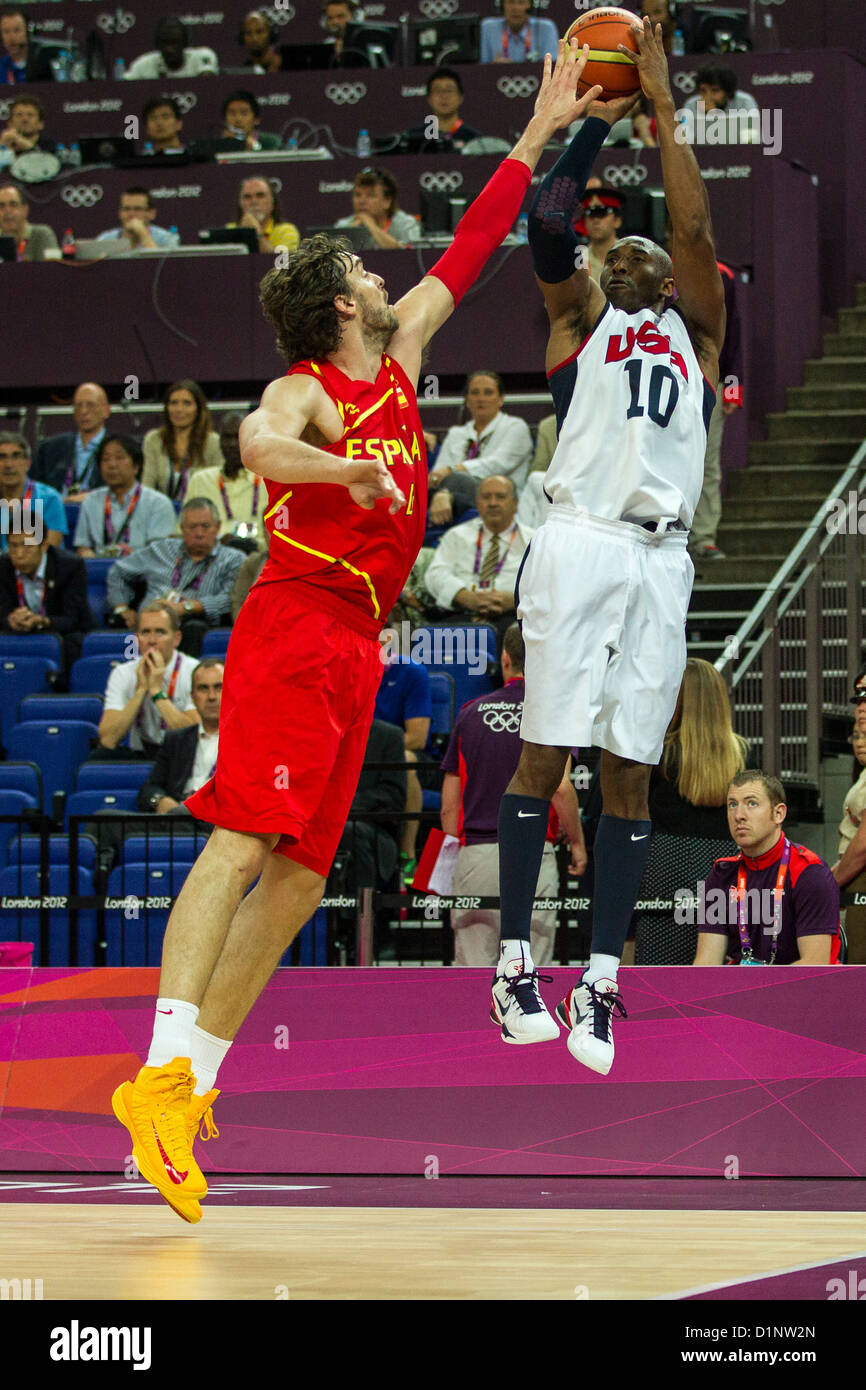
{"type": "Point", "coordinates": [172, 57]}
{"type": "Point", "coordinates": [187, 757]}
{"type": "Point", "coordinates": [473, 573]}
{"type": "Point", "coordinates": [534, 504]}
{"type": "Point", "coordinates": [147, 696]}
{"type": "Point", "coordinates": [493, 442]}
{"type": "Point", "coordinates": [718, 90]}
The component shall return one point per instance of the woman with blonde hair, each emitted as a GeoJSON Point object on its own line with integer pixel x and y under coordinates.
{"type": "Point", "coordinates": [185, 441]}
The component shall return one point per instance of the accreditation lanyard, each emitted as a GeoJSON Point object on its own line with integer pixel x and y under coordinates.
{"type": "Point", "coordinates": [527, 40]}
{"type": "Point", "coordinates": [180, 482]}
{"type": "Point", "coordinates": [170, 692]}
{"type": "Point", "coordinates": [78, 478]}
{"type": "Point", "coordinates": [22, 602]}
{"type": "Point", "coordinates": [196, 584]}
{"type": "Point", "coordinates": [747, 956]}
{"type": "Point", "coordinates": [503, 557]}
{"type": "Point", "coordinates": [108, 538]}
{"type": "Point", "coordinates": [225, 497]}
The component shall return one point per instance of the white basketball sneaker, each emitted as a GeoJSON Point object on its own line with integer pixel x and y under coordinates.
{"type": "Point", "coordinates": [520, 1011]}
{"type": "Point", "coordinates": [587, 1012]}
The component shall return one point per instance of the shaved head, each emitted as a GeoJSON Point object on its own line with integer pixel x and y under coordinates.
{"type": "Point", "coordinates": [662, 260]}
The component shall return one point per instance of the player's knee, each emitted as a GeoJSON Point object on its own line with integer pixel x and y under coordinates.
{"type": "Point", "coordinates": [242, 854]}
{"type": "Point", "coordinates": [539, 771]}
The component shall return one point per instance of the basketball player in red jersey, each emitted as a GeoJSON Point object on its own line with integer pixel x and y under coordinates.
{"type": "Point", "coordinates": [339, 440]}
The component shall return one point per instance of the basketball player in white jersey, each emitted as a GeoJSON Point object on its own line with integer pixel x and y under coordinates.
{"type": "Point", "coordinates": [606, 581]}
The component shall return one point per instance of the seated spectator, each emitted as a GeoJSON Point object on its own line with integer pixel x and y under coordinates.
{"type": "Point", "coordinates": [718, 90]}
{"type": "Point", "coordinates": [32, 239]}
{"type": "Point", "coordinates": [545, 445]}
{"type": "Point", "coordinates": [240, 498]}
{"type": "Point", "coordinates": [135, 215]}
{"type": "Point", "coordinates": [21, 60]}
{"type": "Point", "coordinates": [25, 129]}
{"type": "Point", "coordinates": [374, 206]}
{"type": "Point", "coordinates": [849, 870]}
{"type": "Point", "coordinates": [403, 699]}
{"type": "Point", "coordinates": [474, 570]}
{"type": "Point", "coordinates": [162, 125]}
{"type": "Point", "coordinates": [146, 697]}
{"type": "Point", "coordinates": [516, 37]}
{"type": "Point", "coordinates": [602, 219]}
{"type": "Point", "coordinates": [534, 504]}
{"type": "Point", "coordinates": [44, 589]}
{"type": "Point", "coordinates": [186, 758]}
{"type": "Point", "coordinates": [184, 442]}
{"type": "Point", "coordinates": [67, 461]}
{"type": "Point", "coordinates": [492, 442]}
{"type": "Point", "coordinates": [338, 14]}
{"type": "Point", "coordinates": [259, 37]}
{"type": "Point", "coordinates": [39, 508]}
{"type": "Point", "coordinates": [123, 515]}
{"type": "Point", "coordinates": [245, 579]}
{"type": "Point", "coordinates": [258, 208]}
{"type": "Point", "coordinates": [480, 762]}
{"type": "Point", "coordinates": [241, 114]}
{"type": "Point", "coordinates": [172, 57]}
{"type": "Point", "coordinates": [773, 903]}
{"type": "Point", "coordinates": [192, 575]}
{"type": "Point", "coordinates": [449, 131]}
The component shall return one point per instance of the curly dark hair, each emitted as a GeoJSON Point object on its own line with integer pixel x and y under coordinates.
{"type": "Point", "coordinates": [299, 299]}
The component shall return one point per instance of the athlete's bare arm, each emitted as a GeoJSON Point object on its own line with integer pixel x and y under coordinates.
{"type": "Point", "coordinates": [701, 296]}
{"type": "Point", "coordinates": [424, 309]}
{"type": "Point", "coordinates": [280, 439]}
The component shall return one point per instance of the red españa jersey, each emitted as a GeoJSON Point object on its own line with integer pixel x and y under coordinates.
{"type": "Point", "coordinates": [354, 562]}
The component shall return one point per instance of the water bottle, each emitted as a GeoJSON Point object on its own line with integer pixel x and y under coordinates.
{"type": "Point", "coordinates": [119, 69]}
{"type": "Point", "coordinates": [292, 143]}
{"type": "Point", "coordinates": [148, 147]}
{"type": "Point", "coordinates": [67, 245]}
{"type": "Point", "coordinates": [75, 156]}
{"type": "Point", "coordinates": [77, 65]}
{"type": "Point", "coordinates": [364, 147]}
{"type": "Point", "coordinates": [521, 229]}
{"type": "Point", "coordinates": [175, 235]}
{"type": "Point", "coordinates": [62, 154]}
{"type": "Point", "coordinates": [60, 66]}
{"type": "Point", "coordinates": [678, 46]}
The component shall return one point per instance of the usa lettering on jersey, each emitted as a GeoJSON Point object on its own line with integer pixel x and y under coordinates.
{"type": "Point", "coordinates": [647, 338]}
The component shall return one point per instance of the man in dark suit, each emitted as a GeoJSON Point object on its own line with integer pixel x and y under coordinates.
{"type": "Point", "coordinates": [369, 851]}
{"type": "Point", "coordinates": [67, 462]}
{"type": "Point", "coordinates": [44, 589]}
{"type": "Point", "coordinates": [21, 60]}
{"type": "Point", "coordinates": [187, 757]}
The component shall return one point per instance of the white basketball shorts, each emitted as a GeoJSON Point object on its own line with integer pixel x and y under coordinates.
{"type": "Point", "coordinates": [603, 609]}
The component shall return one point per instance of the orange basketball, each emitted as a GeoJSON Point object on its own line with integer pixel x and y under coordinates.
{"type": "Point", "coordinates": [603, 29]}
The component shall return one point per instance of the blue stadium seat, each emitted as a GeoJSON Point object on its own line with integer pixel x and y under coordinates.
{"type": "Point", "coordinates": [457, 652]}
{"type": "Point", "coordinates": [89, 674]}
{"type": "Point", "coordinates": [96, 602]}
{"type": "Point", "coordinates": [42, 707]}
{"type": "Point", "coordinates": [430, 800]}
{"type": "Point", "coordinates": [216, 642]}
{"type": "Point", "coordinates": [162, 849]}
{"type": "Point", "coordinates": [90, 803]}
{"type": "Point", "coordinates": [22, 777]}
{"type": "Point", "coordinates": [109, 777]}
{"type": "Point", "coordinates": [20, 676]}
{"type": "Point", "coordinates": [97, 570]}
{"type": "Point", "coordinates": [26, 849]}
{"type": "Point", "coordinates": [32, 644]}
{"type": "Point", "coordinates": [106, 644]}
{"type": "Point", "coordinates": [72, 509]}
{"type": "Point", "coordinates": [442, 696]}
{"type": "Point", "coordinates": [58, 747]}
{"type": "Point", "coordinates": [12, 803]}
{"type": "Point", "coordinates": [312, 941]}
{"type": "Point", "coordinates": [134, 932]}
{"type": "Point", "coordinates": [23, 924]}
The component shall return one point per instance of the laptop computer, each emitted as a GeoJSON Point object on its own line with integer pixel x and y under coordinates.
{"type": "Point", "coordinates": [8, 248]}
{"type": "Point", "coordinates": [105, 149]}
{"type": "Point", "coordinates": [230, 236]}
{"type": "Point", "coordinates": [358, 237]}
{"type": "Point", "coordinates": [91, 249]}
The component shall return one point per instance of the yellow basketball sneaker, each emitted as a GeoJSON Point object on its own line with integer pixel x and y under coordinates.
{"type": "Point", "coordinates": [199, 1122]}
{"type": "Point", "coordinates": [154, 1109]}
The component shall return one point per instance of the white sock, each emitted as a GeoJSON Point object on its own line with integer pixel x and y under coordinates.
{"type": "Point", "coordinates": [172, 1031]}
{"type": "Point", "coordinates": [600, 967]}
{"type": "Point", "coordinates": [514, 959]}
{"type": "Point", "coordinates": [206, 1053]}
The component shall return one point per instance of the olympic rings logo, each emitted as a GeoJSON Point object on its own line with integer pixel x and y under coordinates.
{"type": "Point", "coordinates": [118, 23]}
{"type": "Point", "coordinates": [686, 81]}
{"type": "Point", "coordinates": [438, 9]}
{"type": "Point", "coordinates": [185, 100]}
{"type": "Point", "coordinates": [505, 720]}
{"type": "Point", "coordinates": [512, 87]}
{"type": "Point", "coordinates": [81, 195]}
{"type": "Point", "coordinates": [280, 13]}
{"type": "Point", "coordinates": [624, 176]}
{"type": "Point", "coordinates": [345, 93]}
{"type": "Point", "coordinates": [276, 184]}
{"type": "Point", "coordinates": [441, 183]}
{"type": "Point", "coordinates": [5, 108]}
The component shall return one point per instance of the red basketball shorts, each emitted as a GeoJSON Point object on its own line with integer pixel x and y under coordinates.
{"type": "Point", "coordinates": [297, 705]}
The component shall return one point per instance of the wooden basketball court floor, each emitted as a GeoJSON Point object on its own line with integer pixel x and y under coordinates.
{"type": "Point", "coordinates": [301, 1238]}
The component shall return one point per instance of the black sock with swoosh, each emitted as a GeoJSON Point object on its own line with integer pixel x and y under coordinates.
{"type": "Point", "coordinates": [522, 833]}
{"type": "Point", "coordinates": [620, 853]}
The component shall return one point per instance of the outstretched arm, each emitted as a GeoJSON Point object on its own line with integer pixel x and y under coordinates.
{"type": "Point", "coordinates": [701, 296]}
{"type": "Point", "coordinates": [490, 217]}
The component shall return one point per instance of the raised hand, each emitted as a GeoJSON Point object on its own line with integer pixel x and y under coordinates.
{"type": "Point", "coordinates": [557, 103]}
{"type": "Point", "coordinates": [616, 109]}
{"type": "Point", "coordinates": [651, 60]}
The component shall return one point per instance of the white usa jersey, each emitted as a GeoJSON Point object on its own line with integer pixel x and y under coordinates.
{"type": "Point", "coordinates": [632, 409]}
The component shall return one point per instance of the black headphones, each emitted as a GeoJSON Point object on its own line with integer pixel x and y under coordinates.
{"type": "Point", "coordinates": [273, 35]}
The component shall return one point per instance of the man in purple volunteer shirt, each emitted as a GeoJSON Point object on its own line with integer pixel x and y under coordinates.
{"type": "Point", "coordinates": [774, 903]}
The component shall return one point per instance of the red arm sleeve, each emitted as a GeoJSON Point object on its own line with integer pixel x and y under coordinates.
{"type": "Point", "coordinates": [484, 225]}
